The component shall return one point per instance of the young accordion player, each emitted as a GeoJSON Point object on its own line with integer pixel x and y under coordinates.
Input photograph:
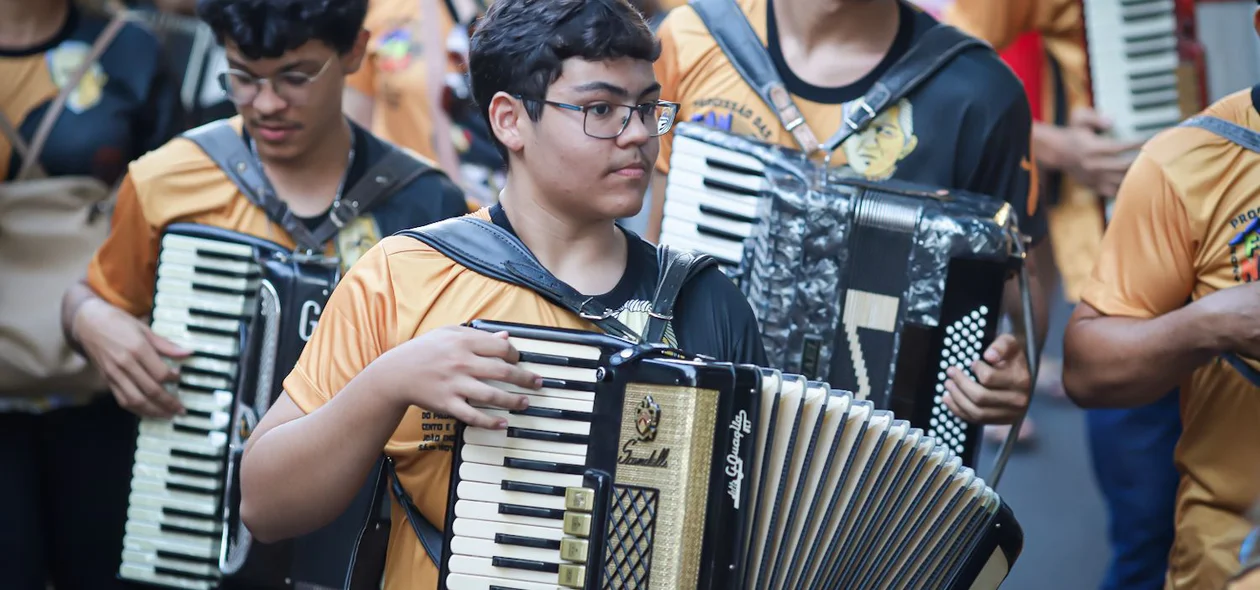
{"type": "Point", "coordinates": [395, 366]}
{"type": "Point", "coordinates": [224, 247]}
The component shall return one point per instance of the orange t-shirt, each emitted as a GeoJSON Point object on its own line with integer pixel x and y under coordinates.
{"type": "Point", "coordinates": [394, 73]}
{"type": "Point", "coordinates": [399, 290]}
{"type": "Point", "coordinates": [1188, 195]}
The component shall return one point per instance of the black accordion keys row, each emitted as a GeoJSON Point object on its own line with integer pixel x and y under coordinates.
{"type": "Point", "coordinates": [644, 468]}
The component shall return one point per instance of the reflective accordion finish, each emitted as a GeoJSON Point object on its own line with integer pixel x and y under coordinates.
{"type": "Point", "coordinates": [641, 467]}
{"type": "Point", "coordinates": [245, 307]}
{"type": "Point", "coordinates": [876, 288]}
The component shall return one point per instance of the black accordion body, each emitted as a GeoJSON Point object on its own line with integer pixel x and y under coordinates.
{"type": "Point", "coordinates": [245, 307]}
{"type": "Point", "coordinates": [639, 467]}
{"type": "Point", "coordinates": [875, 287]}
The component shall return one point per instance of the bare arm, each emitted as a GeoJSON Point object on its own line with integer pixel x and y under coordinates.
{"type": "Point", "coordinates": [321, 458]}
{"type": "Point", "coordinates": [1112, 361]}
{"type": "Point", "coordinates": [360, 107]}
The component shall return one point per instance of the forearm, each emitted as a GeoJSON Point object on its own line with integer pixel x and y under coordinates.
{"type": "Point", "coordinates": [1128, 362]}
{"type": "Point", "coordinates": [300, 475]}
{"type": "Point", "coordinates": [1048, 141]}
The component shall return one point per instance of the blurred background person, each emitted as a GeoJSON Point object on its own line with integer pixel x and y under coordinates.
{"type": "Point", "coordinates": [66, 455]}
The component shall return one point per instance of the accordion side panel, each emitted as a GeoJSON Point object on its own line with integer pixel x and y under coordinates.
{"type": "Point", "coordinates": [661, 488]}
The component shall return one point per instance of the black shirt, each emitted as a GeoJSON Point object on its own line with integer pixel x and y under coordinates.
{"type": "Point", "coordinates": [711, 316]}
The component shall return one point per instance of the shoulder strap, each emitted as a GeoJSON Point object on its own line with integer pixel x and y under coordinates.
{"type": "Point", "coordinates": [933, 51]}
{"type": "Point", "coordinates": [676, 267]}
{"type": "Point", "coordinates": [227, 149]}
{"type": "Point", "coordinates": [487, 249]}
{"type": "Point", "coordinates": [1238, 134]}
{"type": "Point", "coordinates": [430, 537]}
{"type": "Point", "coordinates": [30, 154]}
{"type": "Point", "coordinates": [731, 30]}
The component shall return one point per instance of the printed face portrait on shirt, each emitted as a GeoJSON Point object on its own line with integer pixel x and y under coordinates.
{"type": "Point", "coordinates": [888, 139]}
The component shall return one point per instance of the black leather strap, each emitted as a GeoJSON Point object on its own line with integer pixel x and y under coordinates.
{"type": "Point", "coordinates": [1238, 134]}
{"type": "Point", "coordinates": [227, 149]}
{"type": "Point", "coordinates": [675, 268]}
{"type": "Point", "coordinates": [733, 33]}
{"type": "Point", "coordinates": [430, 537]}
{"type": "Point", "coordinates": [489, 250]}
{"type": "Point", "coordinates": [929, 55]}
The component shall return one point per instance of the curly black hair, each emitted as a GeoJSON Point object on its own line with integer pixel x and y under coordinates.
{"type": "Point", "coordinates": [266, 29]}
{"type": "Point", "coordinates": [519, 46]}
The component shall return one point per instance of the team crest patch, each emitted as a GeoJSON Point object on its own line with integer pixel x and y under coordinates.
{"type": "Point", "coordinates": [397, 50]}
{"type": "Point", "coordinates": [1244, 253]}
{"type": "Point", "coordinates": [66, 59]}
{"type": "Point", "coordinates": [355, 239]}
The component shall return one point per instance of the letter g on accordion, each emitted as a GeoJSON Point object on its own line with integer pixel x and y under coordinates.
{"type": "Point", "coordinates": [645, 468]}
{"type": "Point", "coordinates": [875, 287]}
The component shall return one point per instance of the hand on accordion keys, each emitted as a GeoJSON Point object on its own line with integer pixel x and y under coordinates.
{"type": "Point", "coordinates": [999, 393]}
{"type": "Point", "coordinates": [446, 371]}
{"type": "Point", "coordinates": [131, 357]}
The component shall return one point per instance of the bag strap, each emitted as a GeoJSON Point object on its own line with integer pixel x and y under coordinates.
{"type": "Point", "coordinates": [30, 153]}
{"type": "Point", "coordinates": [1249, 140]}
{"type": "Point", "coordinates": [229, 152]}
{"type": "Point", "coordinates": [734, 34]}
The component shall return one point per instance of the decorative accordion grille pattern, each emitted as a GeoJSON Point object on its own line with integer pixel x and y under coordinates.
{"type": "Point", "coordinates": [630, 527]}
{"type": "Point", "coordinates": [960, 348]}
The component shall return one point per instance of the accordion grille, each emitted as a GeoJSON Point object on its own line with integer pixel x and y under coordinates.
{"type": "Point", "coordinates": [964, 340]}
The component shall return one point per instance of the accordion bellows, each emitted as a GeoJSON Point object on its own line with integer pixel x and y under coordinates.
{"type": "Point", "coordinates": [874, 287]}
{"type": "Point", "coordinates": [639, 468]}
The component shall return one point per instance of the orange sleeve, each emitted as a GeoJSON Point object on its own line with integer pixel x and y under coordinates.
{"type": "Point", "coordinates": [356, 327]}
{"type": "Point", "coordinates": [667, 75]}
{"type": "Point", "coordinates": [124, 268]}
{"type": "Point", "coordinates": [1146, 267]}
{"type": "Point", "coordinates": [364, 79]}
{"type": "Point", "coordinates": [998, 22]}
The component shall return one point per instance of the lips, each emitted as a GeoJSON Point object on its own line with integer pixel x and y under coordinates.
{"type": "Point", "coordinates": [636, 170]}
{"type": "Point", "coordinates": [274, 134]}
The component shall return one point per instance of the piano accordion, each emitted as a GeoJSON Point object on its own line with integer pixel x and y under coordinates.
{"type": "Point", "coordinates": [876, 288]}
{"type": "Point", "coordinates": [640, 467]}
{"type": "Point", "coordinates": [245, 307]}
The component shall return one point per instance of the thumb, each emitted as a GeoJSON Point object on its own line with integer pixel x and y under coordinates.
{"type": "Point", "coordinates": [1089, 118]}
{"type": "Point", "coordinates": [165, 347]}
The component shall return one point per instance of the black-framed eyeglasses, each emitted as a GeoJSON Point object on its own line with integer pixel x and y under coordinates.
{"type": "Point", "coordinates": [605, 120]}
{"type": "Point", "coordinates": [291, 86]}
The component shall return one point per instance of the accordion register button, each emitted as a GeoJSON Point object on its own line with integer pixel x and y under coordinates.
{"type": "Point", "coordinates": [577, 525]}
{"type": "Point", "coordinates": [573, 576]}
{"type": "Point", "coordinates": [579, 499]}
{"type": "Point", "coordinates": [574, 550]}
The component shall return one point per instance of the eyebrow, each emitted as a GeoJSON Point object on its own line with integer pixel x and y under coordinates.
{"type": "Point", "coordinates": [236, 65]}
{"type": "Point", "coordinates": [614, 89]}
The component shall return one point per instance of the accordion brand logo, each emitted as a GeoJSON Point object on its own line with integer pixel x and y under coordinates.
{"type": "Point", "coordinates": [647, 420]}
{"type": "Point", "coordinates": [740, 427]}
{"type": "Point", "coordinates": [308, 319]}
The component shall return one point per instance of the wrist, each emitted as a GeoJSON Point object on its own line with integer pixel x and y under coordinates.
{"type": "Point", "coordinates": [81, 314]}
{"type": "Point", "coordinates": [1212, 333]}
{"type": "Point", "coordinates": [377, 380]}
{"type": "Point", "coordinates": [1048, 146]}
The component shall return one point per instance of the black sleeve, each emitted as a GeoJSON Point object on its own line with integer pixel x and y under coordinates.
{"type": "Point", "coordinates": [437, 198]}
{"type": "Point", "coordinates": [1003, 164]}
{"type": "Point", "coordinates": [713, 318]}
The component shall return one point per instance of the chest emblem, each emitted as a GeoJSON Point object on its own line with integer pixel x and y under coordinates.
{"type": "Point", "coordinates": [66, 59]}
{"type": "Point", "coordinates": [355, 239]}
{"type": "Point", "coordinates": [1244, 252]}
{"type": "Point", "coordinates": [397, 50]}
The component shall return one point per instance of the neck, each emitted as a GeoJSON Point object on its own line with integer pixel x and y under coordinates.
{"type": "Point", "coordinates": [589, 256]}
{"type": "Point", "coordinates": [830, 23]}
{"type": "Point", "coordinates": [308, 183]}
{"type": "Point", "coordinates": [24, 23]}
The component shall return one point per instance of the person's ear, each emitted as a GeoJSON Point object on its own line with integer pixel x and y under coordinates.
{"type": "Point", "coordinates": [352, 61]}
{"type": "Point", "coordinates": [508, 119]}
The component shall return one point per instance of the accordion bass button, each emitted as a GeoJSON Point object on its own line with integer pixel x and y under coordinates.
{"type": "Point", "coordinates": [574, 550]}
{"type": "Point", "coordinates": [577, 525]}
{"type": "Point", "coordinates": [572, 576]}
{"type": "Point", "coordinates": [579, 499]}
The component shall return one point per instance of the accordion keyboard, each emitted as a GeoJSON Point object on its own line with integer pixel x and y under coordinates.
{"type": "Point", "coordinates": [511, 526]}
{"type": "Point", "coordinates": [712, 200]}
{"type": "Point", "coordinates": [205, 291]}
{"type": "Point", "coordinates": [1133, 63]}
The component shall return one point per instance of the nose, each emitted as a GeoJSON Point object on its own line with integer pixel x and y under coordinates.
{"type": "Point", "coordinates": [636, 133]}
{"type": "Point", "coordinates": [267, 102]}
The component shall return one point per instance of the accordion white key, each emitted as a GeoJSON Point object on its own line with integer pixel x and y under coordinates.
{"type": "Point", "coordinates": [641, 468]}
{"type": "Point", "coordinates": [876, 288]}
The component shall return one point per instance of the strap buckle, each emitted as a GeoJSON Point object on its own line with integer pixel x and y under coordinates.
{"type": "Point", "coordinates": [594, 317]}
{"type": "Point", "coordinates": [334, 215]}
{"type": "Point", "coordinates": [861, 118]}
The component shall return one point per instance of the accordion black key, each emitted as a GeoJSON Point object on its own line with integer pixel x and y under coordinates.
{"type": "Point", "coordinates": [244, 307]}
{"type": "Point", "coordinates": [875, 288]}
{"type": "Point", "coordinates": [641, 467]}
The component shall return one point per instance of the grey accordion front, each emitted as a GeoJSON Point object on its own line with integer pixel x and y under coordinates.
{"type": "Point", "coordinates": [875, 287]}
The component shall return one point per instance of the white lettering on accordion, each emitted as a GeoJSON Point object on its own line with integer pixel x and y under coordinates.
{"type": "Point", "coordinates": [740, 427]}
{"type": "Point", "coordinates": [310, 317]}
